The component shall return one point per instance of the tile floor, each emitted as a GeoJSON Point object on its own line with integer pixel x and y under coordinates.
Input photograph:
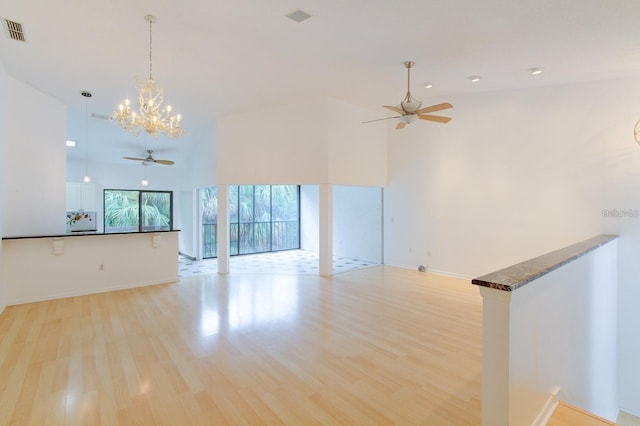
{"type": "Point", "coordinates": [289, 262]}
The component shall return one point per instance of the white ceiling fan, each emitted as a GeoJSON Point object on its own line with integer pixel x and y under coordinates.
{"type": "Point", "coordinates": [149, 160]}
{"type": "Point", "coordinates": [409, 108]}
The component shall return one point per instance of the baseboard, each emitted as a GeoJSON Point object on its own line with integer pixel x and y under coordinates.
{"type": "Point", "coordinates": [630, 413]}
{"type": "Point", "coordinates": [548, 409]}
{"type": "Point", "coordinates": [186, 255]}
{"type": "Point", "coordinates": [401, 266]}
{"type": "Point", "coordinates": [75, 293]}
{"type": "Point", "coordinates": [2, 308]}
{"type": "Point", "coordinates": [450, 274]}
{"type": "Point", "coordinates": [431, 271]}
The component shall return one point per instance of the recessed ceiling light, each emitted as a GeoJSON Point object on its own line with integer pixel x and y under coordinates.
{"type": "Point", "coordinates": [298, 15]}
{"type": "Point", "coordinates": [474, 78]}
{"type": "Point", "coordinates": [535, 71]}
{"type": "Point", "coordinates": [71, 143]}
{"type": "Point", "coordinates": [428, 85]}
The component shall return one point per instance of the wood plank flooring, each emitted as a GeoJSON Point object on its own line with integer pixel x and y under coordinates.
{"type": "Point", "coordinates": [568, 415]}
{"type": "Point", "coordinates": [376, 346]}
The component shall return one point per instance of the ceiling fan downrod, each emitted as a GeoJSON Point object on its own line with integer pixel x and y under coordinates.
{"type": "Point", "coordinates": [409, 104]}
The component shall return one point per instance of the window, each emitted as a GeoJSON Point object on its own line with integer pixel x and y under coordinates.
{"type": "Point", "coordinates": [142, 211]}
{"type": "Point", "coordinates": [262, 218]}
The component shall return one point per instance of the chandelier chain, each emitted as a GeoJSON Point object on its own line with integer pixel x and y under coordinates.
{"type": "Point", "coordinates": [150, 49]}
{"type": "Point", "coordinates": [86, 134]}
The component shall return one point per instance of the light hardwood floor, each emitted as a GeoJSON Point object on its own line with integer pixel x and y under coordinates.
{"type": "Point", "coordinates": [376, 346]}
{"type": "Point", "coordinates": [568, 415]}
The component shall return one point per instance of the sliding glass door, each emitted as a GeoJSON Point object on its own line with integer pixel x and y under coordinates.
{"type": "Point", "coordinates": [262, 218]}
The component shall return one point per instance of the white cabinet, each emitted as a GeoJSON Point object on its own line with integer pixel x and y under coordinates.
{"type": "Point", "coordinates": [81, 196]}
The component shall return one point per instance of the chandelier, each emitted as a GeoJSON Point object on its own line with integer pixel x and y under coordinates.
{"type": "Point", "coordinates": [152, 117]}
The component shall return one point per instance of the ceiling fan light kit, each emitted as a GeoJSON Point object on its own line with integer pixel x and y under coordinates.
{"type": "Point", "coordinates": [410, 108]}
{"type": "Point", "coordinates": [151, 117]}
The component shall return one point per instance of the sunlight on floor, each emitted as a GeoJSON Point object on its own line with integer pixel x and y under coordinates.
{"type": "Point", "coordinates": [290, 262]}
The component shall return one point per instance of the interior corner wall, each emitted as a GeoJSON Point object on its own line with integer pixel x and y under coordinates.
{"type": "Point", "coordinates": [198, 170]}
{"type": "Point", "coordinates": [517, 174]}
{"type": "Point", "coordinates": [188, 207]}
{"type": "Point", "coordinates": [280, 145]}
{"type": "Point", "coordinates": [310, 218]}
{"type": "Point", "coordinates": [35, 160]}
{"type": "Point", "coordinates": [357, 151]}
{"type": "Point", "coordinates": [3, 166]}
{"type": "Point", "coordinates": [357, 222]}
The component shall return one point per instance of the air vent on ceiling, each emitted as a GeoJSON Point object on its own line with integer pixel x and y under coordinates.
{"type": "Point", "coordinates": [14, 30]}
{"type": "Point", "coordinates": [298, 15]}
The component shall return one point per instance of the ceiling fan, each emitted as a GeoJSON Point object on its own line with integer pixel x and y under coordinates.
{"type": "Point", "coordinates": [409, 108]}
{"type": "Point", "coordinates": [149, 161]}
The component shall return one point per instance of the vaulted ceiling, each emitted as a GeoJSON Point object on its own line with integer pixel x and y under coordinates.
{"type": "Point", "coordinates": [221, 57]}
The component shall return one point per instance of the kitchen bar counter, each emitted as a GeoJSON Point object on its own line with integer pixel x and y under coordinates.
{"type": "Point", "coordinates": [84, 233]}
{"type": "Point", "coordinates": [43, 267]}
{"type": "Point", "coordinates": [515, 276]}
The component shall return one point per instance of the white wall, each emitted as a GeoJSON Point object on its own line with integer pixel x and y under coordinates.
{"type": "Point", "coordinates": [357, 151]}
{"type": "Point", "coordinates": [309, 218]}
{"type": "Point", "coordinates": [357, 222]}
{"type": "Point", "coordinates": [3, 166]}
{"type": "Point", "coordinates": [282, 145]}
{"type": "Point", "coordinates": [357, 214]}
{"type": "Point", "coordinates": [35, 161]}
{"type": "Point", "coordinates": [557, 332]}
{"type": "Point", "coordinates": [308, 142]}
{"type": "Point", "coordinates": [198, 171]}
{"type": "Point", "coordinates": [571, 342]}
{"type": "Point", "coordinates": [516, 174]}
{"type": "Point", "coordinates": [128, 260]}
{"type": "Point", "coordinates": [188, 207]}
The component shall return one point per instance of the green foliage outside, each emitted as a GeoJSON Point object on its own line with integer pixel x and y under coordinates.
{"type": "Point", "coordinates": [262, 218]}
{"type": "Point", "coordinates": [122, 210]}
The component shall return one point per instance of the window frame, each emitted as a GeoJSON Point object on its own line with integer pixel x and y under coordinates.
{"type": "Point", "coordinates": [140, 216]}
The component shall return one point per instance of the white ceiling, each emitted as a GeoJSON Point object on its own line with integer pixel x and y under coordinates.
{"type": "Point", "coordinates": [220, 57]}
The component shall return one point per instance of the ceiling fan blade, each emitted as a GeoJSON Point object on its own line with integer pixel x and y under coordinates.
{"type": "Point", "coordinates": [400, 125]}
{"type": "Point", "coordinates": [434, 108]}
{"type": "Point", "coordinates": [380, 119]}
{"type": "Point", "coordinates": [165, 162]}
{"type": "Point", "coordinates": [134, 158]}
{"type": "Point", "coordinates": [394, 109]}
{"type": "Point", "coordinates": [435, 118]}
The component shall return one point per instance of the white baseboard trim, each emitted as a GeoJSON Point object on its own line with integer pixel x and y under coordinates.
{"type": "Point", "coordinates": [2, 308]}
{"type": "Point", "coordinates": [450, 274]}
{"type": "Point", "coordinates": [400, 265]}
{"type": "Point", "coordinates": [431, 271]}
{"type": "Point", "coordinates": [631, 412]}
{"type": "Point", "coordinates": [79, 292]}
{"type": "Point", "coordinates": [548, 409]}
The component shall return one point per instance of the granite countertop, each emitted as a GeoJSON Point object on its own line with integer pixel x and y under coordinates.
{"type": "Point", "coordinates": [515, 276]}
{"type": "Point", "coordinates": [84, 233]}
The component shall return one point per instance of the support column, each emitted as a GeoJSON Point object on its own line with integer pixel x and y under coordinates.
{"type": "Point", "coordinates": [223, 229]}
{"type": "Point", "coordinates": [495, 356]}
{"type": "Point", "coordinates": [325, 218]}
